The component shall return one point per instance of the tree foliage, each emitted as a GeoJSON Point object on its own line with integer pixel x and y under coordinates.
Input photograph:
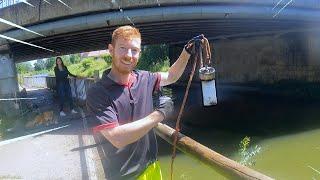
{"type": "Point", "coordinates": [107, 58]}
{"type": "Point", "coordinates": [24, 67]}
{"type": "Point", "coordinates": [247, 154]}
{"type": "Point", "coordinates": [50, 63]}
{"type": "Point", "coordinates": [75, 58]}
{"type": "Point", "coordinates": [152, 55]}
{"type": "Point", "coordinates": [39, 65]}
{"type": "Point", "coordinates": [87, 67]}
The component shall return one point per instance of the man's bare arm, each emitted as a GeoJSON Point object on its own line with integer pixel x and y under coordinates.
{"type": "Point", "coordinates": [176, 70]}
{"type": "Point", "coordinates": [125, 134]}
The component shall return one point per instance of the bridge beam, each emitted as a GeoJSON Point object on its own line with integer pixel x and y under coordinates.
{"type": "Point", "coordinates": [8, 76]}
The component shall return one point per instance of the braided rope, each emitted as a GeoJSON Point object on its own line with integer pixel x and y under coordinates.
{"type": "Point", "coordinates": [198, 57]}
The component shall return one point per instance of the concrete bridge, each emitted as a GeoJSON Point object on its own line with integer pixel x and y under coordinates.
{"type": "Point", "coordinates": [251, 37]}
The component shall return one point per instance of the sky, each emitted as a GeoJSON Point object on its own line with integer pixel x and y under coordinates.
{"type": "Point", "coordinates": [32, 62]}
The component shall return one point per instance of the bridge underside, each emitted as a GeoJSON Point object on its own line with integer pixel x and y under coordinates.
{"type": "Point", "coordinates": [165, 24]}
{"type": "Point", "coordinates": [157, 32]}
{"type": "Point", "coordinates": [286, 49]}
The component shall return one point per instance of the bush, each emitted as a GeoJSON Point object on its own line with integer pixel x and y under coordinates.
{"type": "Point", "coordinates": [162, 66]}
{"type": "Point", "coordinates": [107, 58]}
{"type": "Point", "coordinates": [24, 67]}
{"type": "Point", "coordinates": [87, 67]}
{"type": "Point", "coordinates": [75, 58]}
{"type": "Point", "coordinates": [40, 65]}
{"type": "Point", "coordinates": [50, 63]}
{"type": "Point", "coordinates": [247, 154]}
{"type": "Point", "coordinates": [6, 121]}
{"type": "Point", "coordinates": [154, 58]}
{"type": "Point", "coordinates": [86, 63]}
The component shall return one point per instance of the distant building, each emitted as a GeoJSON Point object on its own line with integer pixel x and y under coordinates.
{"type": "Point", "coordinates": [94, 53]}
{"type": "Point", "coordinates": [6, 3]}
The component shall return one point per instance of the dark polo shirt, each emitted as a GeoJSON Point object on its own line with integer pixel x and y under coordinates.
{"type": "Point", "coordinates": [113, 104]}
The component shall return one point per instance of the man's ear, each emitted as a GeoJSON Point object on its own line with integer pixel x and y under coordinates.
{"type": "Point", "coordinates": [110, 47]}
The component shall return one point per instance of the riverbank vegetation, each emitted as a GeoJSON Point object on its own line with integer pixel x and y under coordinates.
{"type": "Point", "coordinates": [247, 153]}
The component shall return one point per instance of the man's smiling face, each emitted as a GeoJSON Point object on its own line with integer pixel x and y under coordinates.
{"type": "Point", "coordinates": [125, 54]}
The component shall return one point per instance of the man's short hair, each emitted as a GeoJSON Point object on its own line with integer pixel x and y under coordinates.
{"type": "Point", "coordinates": [125, 32]}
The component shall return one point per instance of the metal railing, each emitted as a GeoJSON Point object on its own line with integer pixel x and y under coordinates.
{"type": "Point", "coordinates": [37, 81]}
{"type": "Point", "coordinates": [78, 86]}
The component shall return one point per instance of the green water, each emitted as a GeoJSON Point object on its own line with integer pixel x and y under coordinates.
{"type": "Point", "coordinates": [187, 169]}
{"type": "Point", "coordinates": [291, 156]}
{"type": "Point", "coordinates": [283, 157]}
{"type": "Point", "coordinates": [286, 128]}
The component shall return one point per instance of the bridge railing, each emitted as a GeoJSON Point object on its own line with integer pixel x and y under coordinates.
{"type": "Point", "coordinates": [38, 81]}
{"type": "Point", "coordinates": [78, 86]}
{"type": "Point", "coordinates": [223, 165]}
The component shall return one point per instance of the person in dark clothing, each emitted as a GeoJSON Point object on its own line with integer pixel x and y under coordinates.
{"type": "Point", "coordinates": [122, 108]}
{"type": "Point", "coordinates": [63, 87]}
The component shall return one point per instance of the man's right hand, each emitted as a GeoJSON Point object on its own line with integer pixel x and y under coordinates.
{"type": "Point", "coordinates": [165, 106]}
{"type": "Point", "coordinates": [190, 47]}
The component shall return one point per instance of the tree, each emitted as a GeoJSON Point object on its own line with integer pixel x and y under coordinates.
{"type": "Point", "coordinates": [24, 67]}
{"type": "Point", "coordinates": [50, 63]}
{"type": "Point", "coordinates": [66, 60]}
{"type": "Point", "coordinates": [39, 65]}
{"type": "Point", "coordinates": [107, 58]}
{"type": "Point", "coordinates": [152, 55]}
{"type": "Point", "coordinates": [75, 58]}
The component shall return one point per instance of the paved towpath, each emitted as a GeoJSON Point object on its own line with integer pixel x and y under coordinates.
{"type": "Point", "coordinates": [63, 151]}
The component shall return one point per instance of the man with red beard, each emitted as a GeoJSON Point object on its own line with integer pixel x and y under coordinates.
{"type": "Point", "coordinates": [121, 102]}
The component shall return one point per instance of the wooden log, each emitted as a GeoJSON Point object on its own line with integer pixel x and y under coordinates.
{"type": "Point", "coordinates": [223, 165]}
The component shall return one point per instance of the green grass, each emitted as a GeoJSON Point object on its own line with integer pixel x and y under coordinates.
{"type": "Point", "coordinates": [10, 177]}
{"type": "Point", "coordinates": [87, 67]}
{"type": "Point", "coordinates": [160, 66]}
{"type": "Point", "coordinates": [1, 129]}
{"type": "Point", "coordinates": [5, 123]}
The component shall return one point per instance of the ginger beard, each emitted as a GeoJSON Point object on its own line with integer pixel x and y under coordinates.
{"type": "Point", "coordinates": [125, 55]}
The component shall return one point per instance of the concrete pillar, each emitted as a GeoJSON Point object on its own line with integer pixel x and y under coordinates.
{"type": "Point", "coordinates": [313, 44]}
{"type": "Point", "coordinates": [8, 76]}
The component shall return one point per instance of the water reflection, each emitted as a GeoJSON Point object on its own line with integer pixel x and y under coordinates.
{"type": "Point", "coordinates": [287, 128]}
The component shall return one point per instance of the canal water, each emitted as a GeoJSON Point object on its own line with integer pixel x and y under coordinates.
{"type": "Point", "coordinates": [286, 128]}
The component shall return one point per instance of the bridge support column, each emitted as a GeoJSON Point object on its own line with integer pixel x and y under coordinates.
{"type": "Point", "coordinates": [8, 76]}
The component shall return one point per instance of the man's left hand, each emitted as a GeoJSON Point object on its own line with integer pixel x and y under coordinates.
{"type": "Point", "coordinates": [165, 106]}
